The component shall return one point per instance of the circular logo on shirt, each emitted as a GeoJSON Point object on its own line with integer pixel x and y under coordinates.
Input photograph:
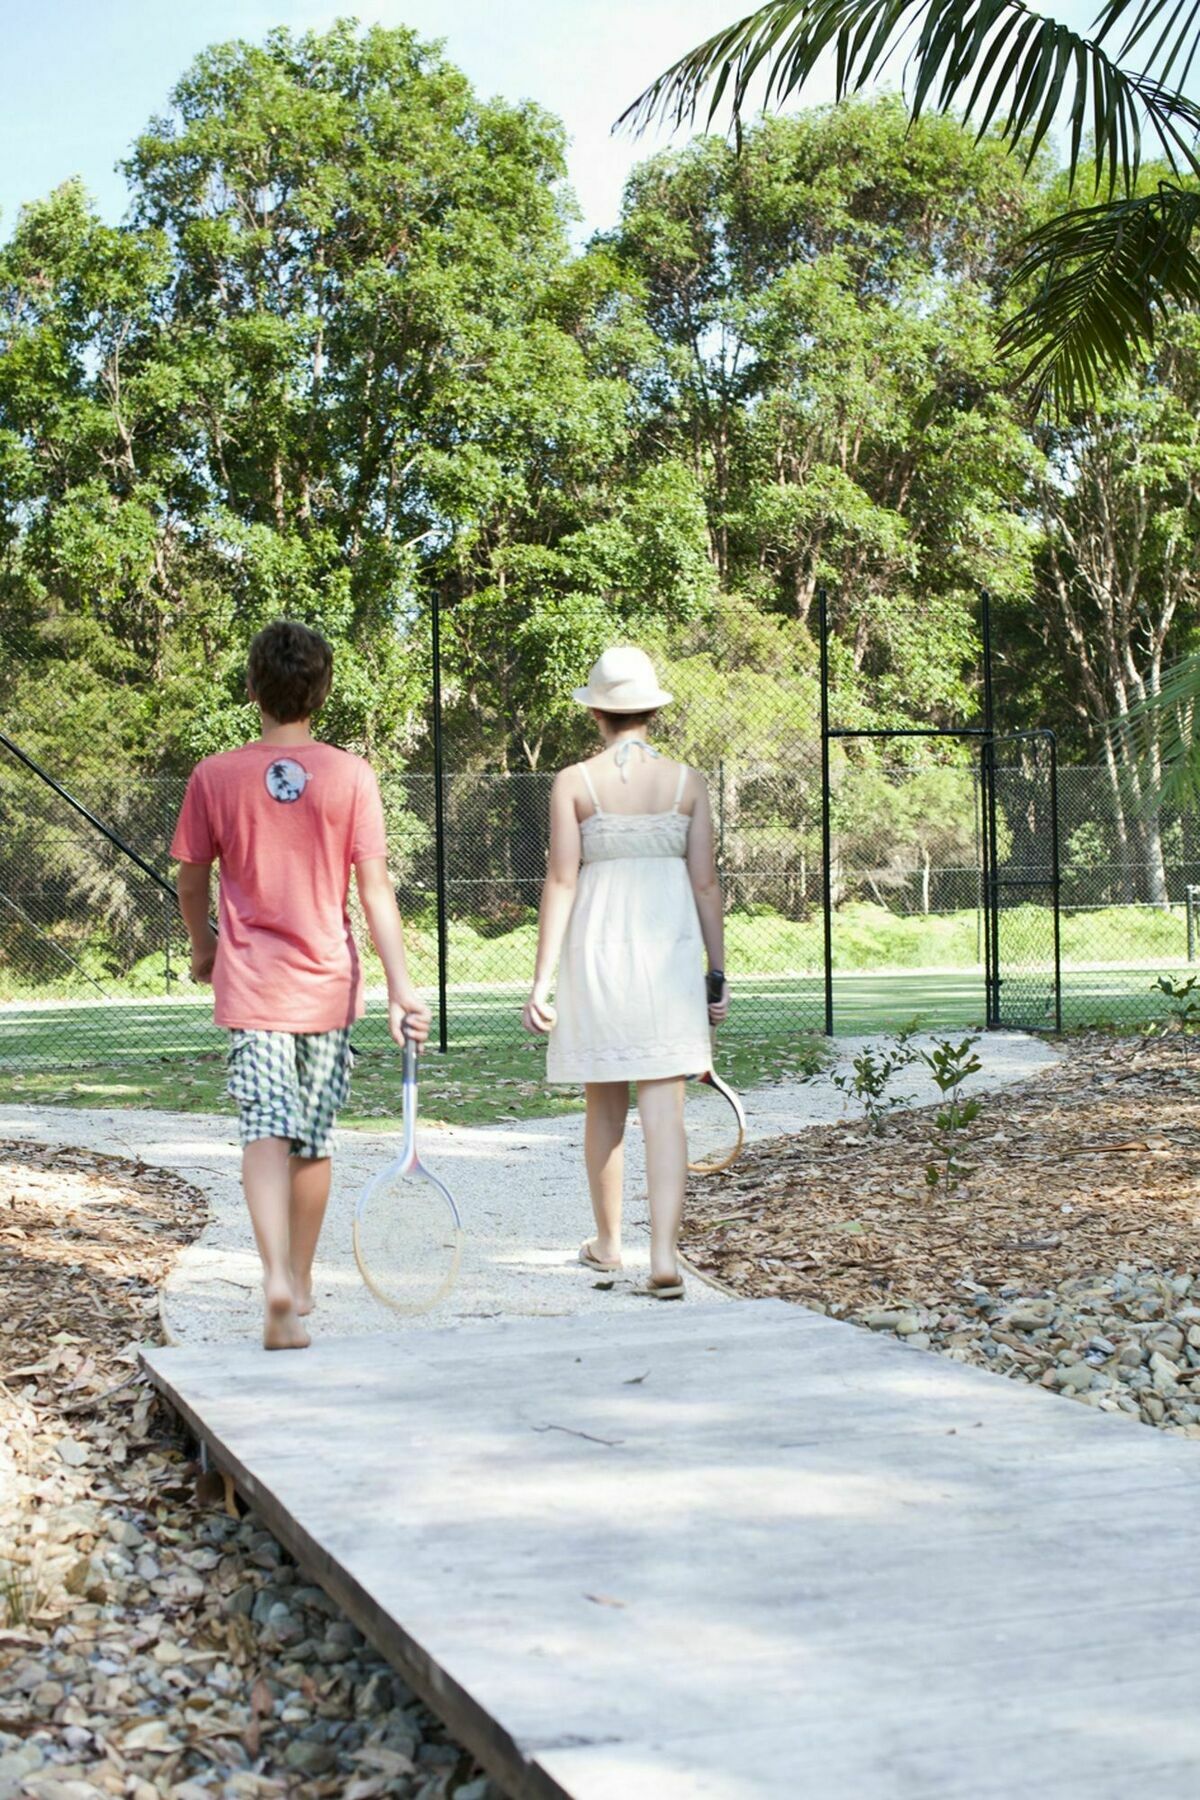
{"type": "Point", "coordinates": [286, 780]}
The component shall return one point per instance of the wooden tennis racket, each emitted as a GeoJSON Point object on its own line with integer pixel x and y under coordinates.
{"type": "Point", "coordinates": [408, 1236]}
{"type": "Point", "coordinates": [713, 1116]}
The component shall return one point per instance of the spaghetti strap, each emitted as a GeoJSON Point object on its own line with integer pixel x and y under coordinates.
{"type": "Point", "coordinates": [587, 782]}
{"type": "Point", "coordinates": [683, 775]}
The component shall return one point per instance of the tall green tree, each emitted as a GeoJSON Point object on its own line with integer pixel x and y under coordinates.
{"type": "Point", "coordinates": [822, 304]}
{"type": "Point", "coordinates": [351, 229]}
{"type": "Point", "coordinates": [1119, 503]}
{"type": "Point", "coordinates": [1096, 279]}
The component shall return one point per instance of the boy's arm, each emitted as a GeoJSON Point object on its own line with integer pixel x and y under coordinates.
{"type": "Point", "coordinates": [192, 885]}
{"type": "Point", "coordinates": [407, 1012]}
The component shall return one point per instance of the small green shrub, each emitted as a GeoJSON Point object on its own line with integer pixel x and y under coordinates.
{"type": "Point", "coordinates": [950, 1064]}
{"type": "Point", "coordinates": [870, 1078]}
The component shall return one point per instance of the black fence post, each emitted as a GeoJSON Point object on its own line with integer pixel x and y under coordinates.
{"type": "Point", "coordinates": [991, 842]}
{"type": "Point", "coordinates": [1056, 877]}
{"type": "Point", "coordinates": [826, 828]}
{"type": "Point", "coordinates": [987, 802]}
{"type": "Point", "coordinates": [439, 825]}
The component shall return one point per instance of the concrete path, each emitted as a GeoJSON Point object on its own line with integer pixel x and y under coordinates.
{"type": "Point", "coordinates": [738, 1552]}
{"type": "Point", "coordinates": [521, 1190]}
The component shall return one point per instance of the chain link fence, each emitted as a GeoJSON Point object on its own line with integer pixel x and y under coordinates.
{"type": "Point", "coordinates": [93, 961]}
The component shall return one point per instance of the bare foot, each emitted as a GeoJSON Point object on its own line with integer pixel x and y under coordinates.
{"type": "Point", "coordinates": [304, 1296]}
{"type": "Point", "coordinates": [282, 1329]}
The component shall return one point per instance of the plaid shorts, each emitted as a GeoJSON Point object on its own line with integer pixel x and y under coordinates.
{"type": "Point", "coordinates": [290, 1085]}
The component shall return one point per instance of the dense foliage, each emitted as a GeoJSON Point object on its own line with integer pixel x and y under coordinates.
{"type": "Point", "coordinates": [341, 362]}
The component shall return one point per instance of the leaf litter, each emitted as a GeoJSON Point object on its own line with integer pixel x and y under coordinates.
{"type": "Point", "coordinates": [1069, 1256]}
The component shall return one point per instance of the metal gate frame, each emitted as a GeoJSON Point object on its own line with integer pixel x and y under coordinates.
{"type": "Point", "coordinates": [993, 882]}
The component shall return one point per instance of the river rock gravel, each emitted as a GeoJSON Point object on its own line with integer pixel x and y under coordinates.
{"type": "Point", "coordinates": [153, 1642]}
{"type": "Point", "coordinates": [1068, 1256]}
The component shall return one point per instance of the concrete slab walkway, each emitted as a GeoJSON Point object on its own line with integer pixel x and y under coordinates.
{"type": "Point", "coordinates": [733, 1552]}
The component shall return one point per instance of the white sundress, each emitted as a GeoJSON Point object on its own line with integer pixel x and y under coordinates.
{"type": "Point", "coordinates": [630, 996]}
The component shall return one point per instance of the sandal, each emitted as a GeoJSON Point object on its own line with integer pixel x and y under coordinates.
{"type": "Point", "coordinates": [664, 1290]}
{"type": "Point", "coordinates": [591, 1261]}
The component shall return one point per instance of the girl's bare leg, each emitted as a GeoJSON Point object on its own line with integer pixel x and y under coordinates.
{"type": "Point", "coordinates": [604, 1153]}
{"type": "Point", "coordinates": [266, 1178]}
{"type": "Point", "coordinates": [306, 1212]}
{"type": "Point", "coordinates": [660, 1104]}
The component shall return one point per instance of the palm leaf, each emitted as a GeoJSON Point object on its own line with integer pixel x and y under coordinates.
{"type": "Point", "coordinates": [991, 54]}
{"type": "Point", "coordinates": [1168, 723]}
{"type": "Point", "coordinates": [1173, 50]}
{"type": "Point", "coordinates": [1102, 276]}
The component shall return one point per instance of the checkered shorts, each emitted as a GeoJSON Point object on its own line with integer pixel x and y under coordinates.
{"type": "Point", "coordinates": [290, 1085]}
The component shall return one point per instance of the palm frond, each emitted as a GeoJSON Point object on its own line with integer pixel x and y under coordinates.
{"type": "Point", "coordinates": [1006, 64]}
{"type": "Point", "coordinates": [1165, 729]}
{"type": "Point", "coordinates": [1173, 50]}
{"type": "Point", "coordinates": [1102, 276]}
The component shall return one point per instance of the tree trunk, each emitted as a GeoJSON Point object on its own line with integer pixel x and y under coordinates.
{"type": "Point", "coordinates": [1120, 823]}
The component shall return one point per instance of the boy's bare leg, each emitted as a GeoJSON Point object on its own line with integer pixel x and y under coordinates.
{"type": "Point", "coordinates": [266, 1179]}
{"type": "Point", "coordinates": [309, 1198]}
{"type": "Point", "coordinates": [604, 1154]}
{"type": "Point", "coordinates": [660, 1104]}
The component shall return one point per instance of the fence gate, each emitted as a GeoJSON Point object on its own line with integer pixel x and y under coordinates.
{"type": "Point", "coordinates": [1022, 962]}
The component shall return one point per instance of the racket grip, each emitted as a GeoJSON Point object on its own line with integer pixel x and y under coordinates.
{"type": "Point", "coordinates": [410, 1059]}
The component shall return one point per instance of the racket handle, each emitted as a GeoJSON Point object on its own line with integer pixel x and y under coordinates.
{"type": "Point", "coordinates": [410, 1060]}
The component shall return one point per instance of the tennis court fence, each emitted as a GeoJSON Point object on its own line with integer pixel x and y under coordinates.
{"type": "Point", "coordinates": [93, 962]}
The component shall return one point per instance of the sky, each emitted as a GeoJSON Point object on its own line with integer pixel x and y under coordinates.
{"type": "Point", "coordinates": [81, 78]}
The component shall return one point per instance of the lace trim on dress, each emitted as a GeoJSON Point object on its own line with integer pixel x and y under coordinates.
{"type": "Point", "coordinates": [620, 1053]}
{"type": "Point", "coordinates": [612, 835]}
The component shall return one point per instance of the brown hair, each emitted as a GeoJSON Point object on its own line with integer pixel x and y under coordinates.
{"type": "Point", "coordinates": [617, 720]}
{"type": "Point", "coordinates": [289, 670]}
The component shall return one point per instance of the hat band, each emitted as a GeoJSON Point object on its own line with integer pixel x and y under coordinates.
{"type": "Point", "coordinates": [626, 691]}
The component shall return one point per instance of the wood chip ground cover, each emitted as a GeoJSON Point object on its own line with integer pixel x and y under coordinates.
{"type": "Point", "coordinates": [1069, 1256]}
{"type": "Point", "coordinates": [150, 1644]}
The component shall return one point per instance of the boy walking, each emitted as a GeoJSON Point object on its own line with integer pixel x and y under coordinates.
{"type": "Point", "coordinates": [287, 818]}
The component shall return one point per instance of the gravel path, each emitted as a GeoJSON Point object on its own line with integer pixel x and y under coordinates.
{"type": "Point", "coordinates": [521, 1189]}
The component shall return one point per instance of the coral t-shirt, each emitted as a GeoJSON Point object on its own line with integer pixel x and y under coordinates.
{"type": "Point", "coordinates": [286, 824]}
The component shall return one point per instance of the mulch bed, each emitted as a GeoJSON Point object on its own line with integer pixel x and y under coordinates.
{"type": "Point", "coordinates": [1085, 1194]}
{"type": "Point", "coordinates": [151, 1644]}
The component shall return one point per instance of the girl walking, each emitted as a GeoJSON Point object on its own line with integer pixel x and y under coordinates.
{"type": "Point", "coordinates": [630, 903]}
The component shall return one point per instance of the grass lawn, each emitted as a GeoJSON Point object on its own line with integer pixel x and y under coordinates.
{"type": "Point", "coordinates": [167, 1054]}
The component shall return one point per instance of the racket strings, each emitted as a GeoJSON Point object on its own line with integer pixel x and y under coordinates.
{"type": "Point", "coordinates": [407, 1241]}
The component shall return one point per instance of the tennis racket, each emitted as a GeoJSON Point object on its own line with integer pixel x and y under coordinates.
{"type": "Point", "coordinates": [713, 1116]}
{"type": "Point", "coordinates": [407, 1232]}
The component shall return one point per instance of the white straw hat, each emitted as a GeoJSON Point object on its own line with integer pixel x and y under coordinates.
{"type": "Point", "coordinates": [623, 681]}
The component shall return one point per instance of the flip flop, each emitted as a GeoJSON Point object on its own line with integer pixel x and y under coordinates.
{"type": "Point", "coordinates": [593, 1262]}
{"type": "Point", "coordinates": [664, 1290]}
